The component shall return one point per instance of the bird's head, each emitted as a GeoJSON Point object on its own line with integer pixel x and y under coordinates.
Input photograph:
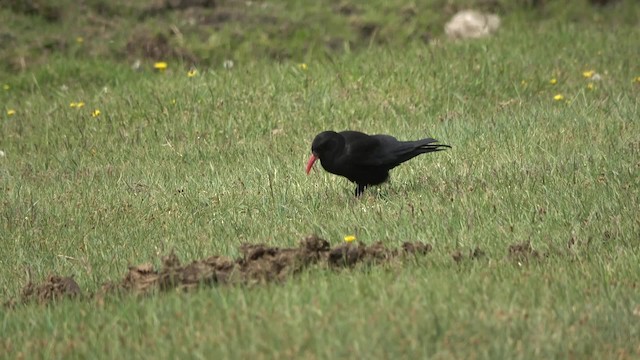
{"type": "Point", "coordinates": [324, 143]}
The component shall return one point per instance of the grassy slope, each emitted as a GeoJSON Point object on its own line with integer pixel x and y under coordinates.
{"type": "Point", "coordinates": [88, 196]}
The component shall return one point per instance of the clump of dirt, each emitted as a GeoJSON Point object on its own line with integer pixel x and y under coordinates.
{"type": "Point", "coordinates": [457, 256]}
{"type": "Point", "coordinates": [417, 248]}
{"type": "Point", "coordinates": [257, 264]}
{"type": "Point", "coordinates": [350, 254]}
{"type": "Point", "coordinates": [144, 278]}
{"type": "Point", "coordinates": [54, 288]}
{"type": "Point", "coordinates": [42, 8]}
{"type": "Point", "coordinates": [474, 254]}
{"type": "Point", "coordinates": [366, 29]}
{"type": "Point", "coordinates": [522, 252]}
{"type": "Point", "coordinates": [347, 9]}
{"type": "Point", "coordinates": [156, 47]}
{"type": "Point", "coordinates": [158, 7]}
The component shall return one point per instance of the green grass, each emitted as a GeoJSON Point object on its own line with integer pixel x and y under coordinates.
{"type": "Point", "coordinates": [194, 165]}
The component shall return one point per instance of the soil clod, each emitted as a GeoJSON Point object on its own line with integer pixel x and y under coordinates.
{"type": "Point", "coordinates": [522, 252]}
{"type": "Point", "coordinates": [457, 256]}
{"type": "Point", "coordinates": [417, 248]}
{"type": "Point", "coordinates": [54, 288]}
{"type": "Point", "coordinates": [257, 264]}
{"type": "Point", "coordinates": [346, 254]}
{"type": "Point", "coordinates": [477, 253]}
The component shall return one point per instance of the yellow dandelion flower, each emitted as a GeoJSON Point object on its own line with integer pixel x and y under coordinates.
{"type": "Point", "coordinates": [558, 97]}
{"type": "Point", "coordinates": [76, 105]}
{"type": "Point", "coordinates": [349, 238]}
{"type": "Point", "coordinates": [79, 39]}
{"type": "Point", "coordinates": [11, 112]}
{"type": "Point", "coordinates": [553, 81]}
{"type": "Point", "coordinates": [302, 66]}
{"type": "Point", "coordinates": [95, 113]}
{"type": "Point", "coordinates": [160, 66]}
{"type": "Point", "coordinates": [6, 87]}
{"type": "Point", "coordinates": [192, 73]}
{"type": "Point", "coordinates": [588, 74]}
{"type": "Point", "coordinates": [590, 86]}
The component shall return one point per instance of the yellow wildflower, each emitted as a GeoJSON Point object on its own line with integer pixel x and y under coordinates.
{"type": "Point", "coordinates": [79, 39]}
{"type": "Point", "coordinates": [192, 73]}
{"type": "Point", "coordinates": [95, 113]}
{"type": "Point", "coordinates": [76, 105]}
{"type": "Point", "coordinates": [553, 81]}
{"type": "Point", "coordinates": [558, 97]}
{"type": "Point", "coordinates": [635, 80]}
{"type": "Point", "coordinates": [173, 101]}
{"type": "Point", "coordinates": [349, 238]}
{"type": "Point", "coordinates": [523, 82]}
{"type": "Point", "coordinates": [590, 86]}
{"type": "Point", "coordinates": [11, 112]}
{"type": "Point", "coordinates": [160, 66]}
{"type": "Point", "coordinates": [588, 74]}
{"type": "Point", "coordinates": [302, 66]}
{"type": "Point", "coordinates": [6, 87]}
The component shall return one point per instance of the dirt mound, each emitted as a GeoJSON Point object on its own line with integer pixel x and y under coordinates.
{"type": "Point", "coordinates": [54, 288]}
{"type": "Point", "coordinates": [257, 264]}
{"type": "Point", "coordinates": [350, 254]}
{"type": "Point", "coordinates": [474, 254]}
{"type": "Point", "coordinates": [155, 47]}
{"type": "Point", "coordinates": [523, 252]}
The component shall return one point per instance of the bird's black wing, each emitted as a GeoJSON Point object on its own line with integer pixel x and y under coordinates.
{"type": "Point", "coordinates": [384, 150]}
{"type": "Point", "coordinates": [389, 152]}
{"type": "Point", "coordinates": [358, 147]}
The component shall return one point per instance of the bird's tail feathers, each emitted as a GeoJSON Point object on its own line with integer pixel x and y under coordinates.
{"type": "Point", "coordinates": [429, 145]}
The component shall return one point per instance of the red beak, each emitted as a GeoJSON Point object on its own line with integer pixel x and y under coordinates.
{"type": "Point", "coordinates": [312, 160]}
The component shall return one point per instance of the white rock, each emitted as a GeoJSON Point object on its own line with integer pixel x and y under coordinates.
{"type": "Point", "coordinates": [471, 24]}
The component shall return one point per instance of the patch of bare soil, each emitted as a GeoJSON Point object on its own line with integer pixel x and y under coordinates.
{"type": "Point", "coordinates": [257, 264]}
{"type": "Point", "coordinates": [47, 10]}
{"type": "Point", "coordinates": [52, 289]}
{"type": "Point", "coordinates": [523, 252]}
{"type": "Point", "coordinates": [156, 47]}
{"type": "Point", "coordinates": [474, 254]}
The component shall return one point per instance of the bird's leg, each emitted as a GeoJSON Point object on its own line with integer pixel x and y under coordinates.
{"type": "Point", "coordinates": [360, 189]}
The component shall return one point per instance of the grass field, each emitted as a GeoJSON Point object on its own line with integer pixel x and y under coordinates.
{"type": "Point", "coordinates": [160, 161]}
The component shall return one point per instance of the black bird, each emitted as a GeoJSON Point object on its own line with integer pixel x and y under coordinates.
{"type": "Point", "coordinates": [365, 159]}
